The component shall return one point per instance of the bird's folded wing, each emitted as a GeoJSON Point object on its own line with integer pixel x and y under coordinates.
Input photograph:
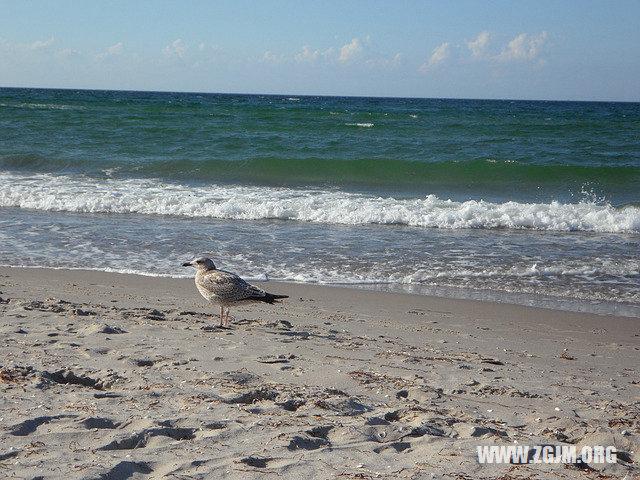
{"type": "Point", "coordinates": [253, 291]}
{"type": "Point", "coordinates": [229, 284]}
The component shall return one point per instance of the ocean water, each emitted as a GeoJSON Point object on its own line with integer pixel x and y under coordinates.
{"type": "Point", "coordinates": [526, 202]}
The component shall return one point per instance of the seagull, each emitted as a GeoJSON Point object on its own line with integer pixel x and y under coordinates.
{"type": "Point", "coordinates": [226, 289]}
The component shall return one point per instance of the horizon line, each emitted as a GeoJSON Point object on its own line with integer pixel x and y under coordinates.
{"type": "Point", "coordinates": [398, 97]}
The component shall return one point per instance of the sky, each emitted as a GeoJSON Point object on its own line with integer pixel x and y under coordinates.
{"type": "Point", "coordinates": [547, 50]}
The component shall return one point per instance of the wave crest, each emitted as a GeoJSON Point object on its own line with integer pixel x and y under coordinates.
{"type": "Point", "coordinates": [152, 197]}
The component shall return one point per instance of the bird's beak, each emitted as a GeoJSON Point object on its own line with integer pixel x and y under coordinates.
{"type": "Point", "coordinates": [188, 264]}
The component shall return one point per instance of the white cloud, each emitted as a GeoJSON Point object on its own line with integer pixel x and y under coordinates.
{"type": "Point", "coordinates": [359, 52]}
{"type": "Point", "coordinates": [38, 44]}
{"type": "Point", "coordinates": [479, 45]}
{"type": "Point", "coordinates": [269, 57]}
{"type": "Point", "coordinates": [175, 49]}
{"type": "Point", "coordinates": [112, 51]}
{"type": "Point", "coordinates": [523, 47]}
{"type": "Point", "coordinates": [116, 49]}
{"type": "Point", "coordinates": [350, 50]}
{"type": "Point", "coordinates": [308, 55]}
{"type": "Point", "coordinates": [439, 55]}
{"type": "Point", "coordinates": [383, 62]}
{"type": "Point", "coordinates": [202, 47]}
{"type": "Point", "coordinates": [67, 53]}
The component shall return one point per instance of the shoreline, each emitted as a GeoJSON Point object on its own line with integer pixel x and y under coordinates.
{"type": "Point", "coordinates": [123, 376]}
{"type": "Point", "coordinates": [546, 302]}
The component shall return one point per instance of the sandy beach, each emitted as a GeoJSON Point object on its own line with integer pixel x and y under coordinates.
{"type": "Point", "coordinates": [112, 376]}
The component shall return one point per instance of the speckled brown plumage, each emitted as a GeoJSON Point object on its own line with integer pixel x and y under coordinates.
{"type": "Point", "coordinates": [226, 289]}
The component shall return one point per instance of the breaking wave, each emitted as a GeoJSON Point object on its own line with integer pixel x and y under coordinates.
{"type": "Point", "coordinates": [77, 193]}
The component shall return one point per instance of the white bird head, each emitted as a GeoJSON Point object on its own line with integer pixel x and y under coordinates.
{"type": "Point", "coordinates": [201, 263]}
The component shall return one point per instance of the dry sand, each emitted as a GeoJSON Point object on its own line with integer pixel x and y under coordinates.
{"type": "Point", "coordinates": [109, 376]}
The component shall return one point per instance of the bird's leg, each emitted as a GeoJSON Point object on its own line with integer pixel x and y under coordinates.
{"type": "Point", "coordinates": [221, 315]}
{"type": "Point", "coordinates": [226, 320]}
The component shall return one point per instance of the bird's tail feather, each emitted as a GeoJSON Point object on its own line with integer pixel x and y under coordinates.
{"type": "Point", "coordinates": [269, 298]}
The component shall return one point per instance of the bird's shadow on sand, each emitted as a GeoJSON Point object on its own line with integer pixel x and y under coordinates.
{"type": "Point", "coordinates": [217, 328]}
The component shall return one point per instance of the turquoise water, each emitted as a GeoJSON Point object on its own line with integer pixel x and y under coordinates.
{"type": "Point", "coordinates": [407, 145]}
{"type": "Point", "coordinates": [511, 200]}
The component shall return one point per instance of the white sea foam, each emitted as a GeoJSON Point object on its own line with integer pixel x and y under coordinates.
{"type": "Point", "coordinates": [152, 197]}
{"type": "Point", "coordinates": [123, 270]}
{"type": "Point", "coordinates": [43, 106]}
{"type": "Point", "coordinates": [603, 268]}
{"type": "Point", "coordinates": [364, 125]}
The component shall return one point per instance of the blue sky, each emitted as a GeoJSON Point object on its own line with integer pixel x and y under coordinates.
{"type": "Point", "coordinates": [586, 50]}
